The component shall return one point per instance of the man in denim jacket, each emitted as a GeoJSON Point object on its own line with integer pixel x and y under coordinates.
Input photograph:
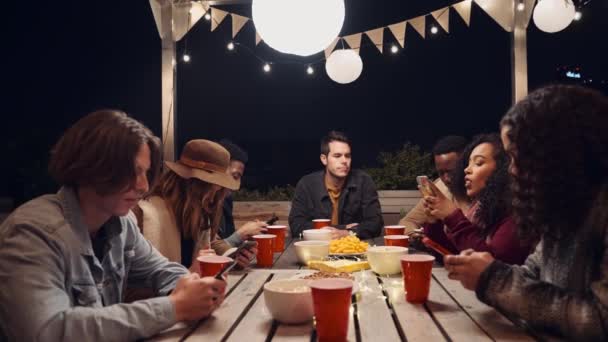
{"type": "Point", "coordinates": [66, 258]}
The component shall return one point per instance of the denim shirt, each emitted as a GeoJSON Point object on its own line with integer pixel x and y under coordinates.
{"type": "Point", "coordinates": [53, 287]}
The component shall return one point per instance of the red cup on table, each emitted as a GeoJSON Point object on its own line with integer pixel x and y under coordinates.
{"type": "Point", "coordinates": [394, 230]}
{"type": "Point", "coordinates": [279, 242]}
{"type": "Point", "coordinates": [210, 265]}
{"type": "Point", "coordinates": [320, 223]}
{"type": "Point", "coordinates": [397, 240]}
{"type": "Point", "coordinates": [331, 300]}
{"type": "Point", "coordinates": [265, 252]}
{"type": "Point", "coordinates": [416, 270]}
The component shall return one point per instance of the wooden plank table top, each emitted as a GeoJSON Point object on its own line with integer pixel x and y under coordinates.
{"type": "Point", "coordinates": [379, 311]}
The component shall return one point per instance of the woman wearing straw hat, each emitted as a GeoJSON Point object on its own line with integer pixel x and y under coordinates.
{"type": "Point", "coordinates": [183, 212]}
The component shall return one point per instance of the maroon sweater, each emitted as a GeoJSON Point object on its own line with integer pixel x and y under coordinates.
{"type": "Point", "coordinates": [460, 234]}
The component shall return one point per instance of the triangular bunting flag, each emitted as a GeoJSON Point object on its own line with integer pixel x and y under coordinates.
{"type": "Point", "coordinates": [157, 12]}
{"type": "Point", "coordinates": [331, 47]}
{"type": "Point", "coordinates": [501, 11]}
{"type": "Point", "coordinates": [376, 36]}
{"type": "Point", "coordinates": [418, 25]}
{"type": "Point", "coordinates": [197, 10]}
{"type": "Point", "coordinates": [181, 19]}
{"type": "Point", "coordinates": [398, 30]}
{"type": "Point", "coordinates": [258, 38]}
{"type": "Point", "coordinates": [464, 9]}
{"type": "Point", "coordinates": [206, 6]}
{"type": "Point", "coordinates": [237, 23]}
{"type": "Point", "coordinates": [443, 18]}
{"type": "Point", "coordinates": [217, 16]}
{"type": "Point", "coordinates": [354, 41]}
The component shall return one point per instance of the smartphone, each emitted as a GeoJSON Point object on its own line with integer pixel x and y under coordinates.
{"type": "Point", "coordinates": [272, 220]}
{"type": "Point", "coordinates": [424, 185]}
{"type": "Point", "coordinates": [435, 246]}
{"type": "Point", "coordinates": [244, 245]}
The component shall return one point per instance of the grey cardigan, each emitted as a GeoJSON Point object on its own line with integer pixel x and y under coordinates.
{"type": "Point", "coordinates": [563, 286]}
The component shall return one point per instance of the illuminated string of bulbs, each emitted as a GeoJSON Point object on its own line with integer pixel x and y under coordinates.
{"type": "Point", "coordinates": [394, 48]}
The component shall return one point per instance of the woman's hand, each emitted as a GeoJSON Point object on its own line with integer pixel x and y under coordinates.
{"type": "Point", "coordinates": [250, 229]}
{"type": "Point", "coordinates": [438, 206]}
{"type": "Point", "coordinates": [246, 255]}
{"type": "Point", "coordinates": [467, 267]}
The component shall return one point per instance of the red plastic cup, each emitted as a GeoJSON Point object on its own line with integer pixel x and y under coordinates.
{"type": "Point", "coordinates": [210, 265]}
{"type": "Point", "coordinates": [394, 230]}
{"type": "Point", "coordinates": [265, 252]}
{"type": "Point", "coordinates": [279, 243]}
{"type": "Point", "coordinates": [331, 302]}
{"type": "Point", "coordinates": [320, 223]}
{"type": "Point", "coordinates": [397, 240]}
{"type": "Point", "coordinates": [416, 269]}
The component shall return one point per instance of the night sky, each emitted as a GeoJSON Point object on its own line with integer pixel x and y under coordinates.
{"type": "Point", "coordinates": [69, 58]}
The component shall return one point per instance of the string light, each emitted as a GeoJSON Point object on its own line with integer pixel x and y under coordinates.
{"type": "Point", "coordinates": [394, 49]}
{"type": "Point", "coordinates": [266, 68]}
{"type": "Point", "coordinates": [434, 30]}
{"type": "Point", "coordinates": [521, 6]}
{"type": "Point", "coordinates": [578, 15]}
{"type": "Point", "coordinates": [310, 70]}
{"type": "Point", "coordinates": [230, 46]}
{"type": "Point", "coordinates": [207, 16]}
{"type": "Point", "coordinates": [186, 58]}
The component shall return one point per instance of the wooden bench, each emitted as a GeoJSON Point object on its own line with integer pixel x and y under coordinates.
{"type": "Point", "coordinates": [394, 204]}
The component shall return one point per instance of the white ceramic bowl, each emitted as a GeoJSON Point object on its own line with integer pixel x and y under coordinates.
{"type": "Point", "coordinates": [289, 300]}
{"type": "Point", "coordinates": [311, 250]}
{"type": "Point", "coordinates": [317, 234]}
{"type": "Point", "coordinates": [385, 259]}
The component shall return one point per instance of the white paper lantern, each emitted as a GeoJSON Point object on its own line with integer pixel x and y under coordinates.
{"type": "Point", "coordinates": [299, 27]}
{"type": "Point", "coordinates": [344, 66]}
{"type": "Point", "coordinates": [553, 15]}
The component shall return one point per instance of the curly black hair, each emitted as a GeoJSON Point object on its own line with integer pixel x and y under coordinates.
{"type": "Point", "coordinates": [559, 148]}
{"type": "Point", "coordinates": [494, 199]}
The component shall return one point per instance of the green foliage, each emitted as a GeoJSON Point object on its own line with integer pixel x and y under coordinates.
{"type": "Point", "coordinates": [399, 169]}
{"type": "Point", "coordinates": [276, 193]}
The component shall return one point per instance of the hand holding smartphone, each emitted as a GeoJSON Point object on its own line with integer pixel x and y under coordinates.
{"type": "Point", "coordinates": [424, 185]}
{"type": "Point", "coordinates": [245, 245]}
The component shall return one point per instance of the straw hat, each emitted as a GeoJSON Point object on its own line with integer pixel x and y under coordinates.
{"type": "Point", "coordinates": [207, 161]}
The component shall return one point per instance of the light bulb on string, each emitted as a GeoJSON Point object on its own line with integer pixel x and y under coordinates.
{"type": "Point", "coordinates": [578, 15]}
{"type": "Point", "coordinates": [310, 70]}
{"type": "Point", "coordinates": [230, 46]}
{"type": "Point", "coordinates": [266, 68]}
{"type": "Point", "coordinates": [434, 30]}
{"type": "Point", "coordinates": [394, 49]}
{"type": "Point", "coordinates": [186, 58]}
{"type": "Point", "coordinates": [521, 6]}
{"type": "Point", "coordinates": [207, 16]}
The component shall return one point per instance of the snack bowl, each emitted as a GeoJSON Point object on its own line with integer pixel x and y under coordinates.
{"type": "Point", "coordinates": [311, 250]}
{"type": "Point", "coordinates": [289, 300]}
{"type": "Point", "coordinates": [317, 234]}
{"type": "Point", "coordinates": [384, 260]}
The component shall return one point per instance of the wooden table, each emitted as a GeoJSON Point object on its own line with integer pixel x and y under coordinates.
{"type": "Point", "coordinates": [379, 313]}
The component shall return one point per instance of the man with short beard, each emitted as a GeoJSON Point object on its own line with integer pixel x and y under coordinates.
{"type": "Point", "coordinates": [347, 197]}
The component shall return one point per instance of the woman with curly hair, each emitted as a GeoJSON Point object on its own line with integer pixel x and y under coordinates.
{"type": "Point", "coordinates": [558, 143]}
{"type": "Point", "coordinates": [488, 225]}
